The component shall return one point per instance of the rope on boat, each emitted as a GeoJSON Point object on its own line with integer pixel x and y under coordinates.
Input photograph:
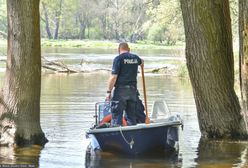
{"type": "Point", "coordinates": [131, 143]}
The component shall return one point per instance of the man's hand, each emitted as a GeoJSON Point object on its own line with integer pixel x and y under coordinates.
{"type": "Point", "coordinates": [108, 97]}
{"type": "Point", "coordinates": [142, 63]}
{"type": "Point", "coordinates": [111, 83]}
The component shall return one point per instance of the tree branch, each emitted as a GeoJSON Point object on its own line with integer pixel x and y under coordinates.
{"type": "Point", "coordinates": [5, 35]}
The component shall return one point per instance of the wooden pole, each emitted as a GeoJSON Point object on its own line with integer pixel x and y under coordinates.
{"type": "Point", "coordinates": [147, 121]}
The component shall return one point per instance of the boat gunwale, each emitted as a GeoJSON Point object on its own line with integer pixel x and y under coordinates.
{"type": "Point", "coordinates": [134, 127]}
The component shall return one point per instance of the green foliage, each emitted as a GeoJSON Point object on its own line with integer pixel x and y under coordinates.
{"type": "Point", "coordinates": [129, 20]}
{"type": "Point", "coordinates": [156, 33]}
{"type": "Point", "coordinates": [157, 21]}
{"type": "Point", "coordinates": [165, 25]}
{"type": "Point", "coordinates": [95, 33]}
{"type": "Point", "coordinates": [3, 16]}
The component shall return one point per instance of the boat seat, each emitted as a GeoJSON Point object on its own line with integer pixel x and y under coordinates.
{"type": "Point", "coordinates": [160, 109]}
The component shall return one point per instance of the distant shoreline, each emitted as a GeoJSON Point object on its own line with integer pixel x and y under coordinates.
{"type": "Point", "coordinates": [102, 44]}
{"type": "Point", "coordinates": [178, 68]}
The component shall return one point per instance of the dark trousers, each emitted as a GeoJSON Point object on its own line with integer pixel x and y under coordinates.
{"type": "Point", "coordinates": [124, 99]}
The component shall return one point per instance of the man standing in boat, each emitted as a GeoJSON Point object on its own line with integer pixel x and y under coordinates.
{"type": "Point", "coordinates": [124, 81]}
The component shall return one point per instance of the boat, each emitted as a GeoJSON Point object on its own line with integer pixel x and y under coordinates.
{"type": "Point", "coordinates": [160, 135]}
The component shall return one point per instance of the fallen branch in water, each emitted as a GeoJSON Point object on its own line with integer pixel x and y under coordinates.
{"type": "Point", "coordinates": [60, 67]}
{"type": "Point", "coordinates": [48, 67]}
{"type": "Point", "coordinates": [83, 61]}
{"type": "Point", "coordinates": [97, 70]}
{"type": "Point", "coordinates": [157, 70]}
{"type": "Point", "coordinates": [3, 60]}
{"type": "Point", "coordinates": [57, 66]}
{"type": "Point", "coordinates": [3, 57]}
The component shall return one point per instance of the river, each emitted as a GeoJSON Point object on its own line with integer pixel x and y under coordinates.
{"type": "Point", "coordinates": [67, 109]}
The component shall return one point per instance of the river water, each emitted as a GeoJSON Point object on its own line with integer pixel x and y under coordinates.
{"type": "Point", "coordinates": [67, 109]}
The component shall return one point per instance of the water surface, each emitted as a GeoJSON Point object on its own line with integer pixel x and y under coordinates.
{"type": "Point", "coordinates": [67, 109]}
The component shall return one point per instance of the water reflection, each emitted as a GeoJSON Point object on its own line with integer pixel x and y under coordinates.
{"type": "Point", "coordinates": [153, 160]}
{"type": "Point", "coordinates": [210, 154]}
{"type": "Point", "coordinates": [26, 155]}
{"type": "Point", "coordinates": [222, 154]}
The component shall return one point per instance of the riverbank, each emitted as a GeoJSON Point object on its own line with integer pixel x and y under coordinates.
{"type": "Point", "coordinates": [102, 44]}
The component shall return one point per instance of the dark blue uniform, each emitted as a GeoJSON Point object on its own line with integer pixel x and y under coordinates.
{"type": "Point", "coordinates": [125, 94]}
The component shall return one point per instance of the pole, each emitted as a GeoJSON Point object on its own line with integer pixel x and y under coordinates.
{"type": "Point", "coordinates": [147, 121]}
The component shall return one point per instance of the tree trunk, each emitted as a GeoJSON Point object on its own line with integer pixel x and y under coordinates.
{"type": "Point", "coordinates": [88, 30]}
{"type": "Point", "coordinates": [116, 30]}
{"type": "Point", "coordinates": [82, 27]}
{"type": "Point", "coordinates": [20, 97]}
{"type": "Point", "coordinates": [209, 56]}
{"type": "Point", "coordinates": [136, 29]}
{"type": "Point", "coordinates": [57, 21]}
{"type": "Point", "coordinates": [243, 53]}
{"type": "Point", "coordinates": [49, 35]}
{"type": "Point", "coordinates": [82, 32]}
{"type": "Point", "coordinates": [103, 21]}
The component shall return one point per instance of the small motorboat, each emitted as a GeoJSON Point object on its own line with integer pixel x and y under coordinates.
{"type": "Point", "coordinates": [159, 135]}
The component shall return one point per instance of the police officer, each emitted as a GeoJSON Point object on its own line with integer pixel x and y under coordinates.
{"type": "Point", "coordinates": [124, 81]}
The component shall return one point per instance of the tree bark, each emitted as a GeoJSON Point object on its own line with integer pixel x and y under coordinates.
{"type": "Point", "coordinates": [243, 53]}
{"type": "Point", "coordinates": [209, 57]}
{"type": "Point", "coordinates": [49, 34]}
{"type": "Point", "coordinates": [20, 97]}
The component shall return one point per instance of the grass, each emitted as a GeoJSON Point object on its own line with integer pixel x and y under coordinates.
{"type": "Point", "coordinates": [77, 43]}
{"type": "Point", "coordinates": [102, 44]}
